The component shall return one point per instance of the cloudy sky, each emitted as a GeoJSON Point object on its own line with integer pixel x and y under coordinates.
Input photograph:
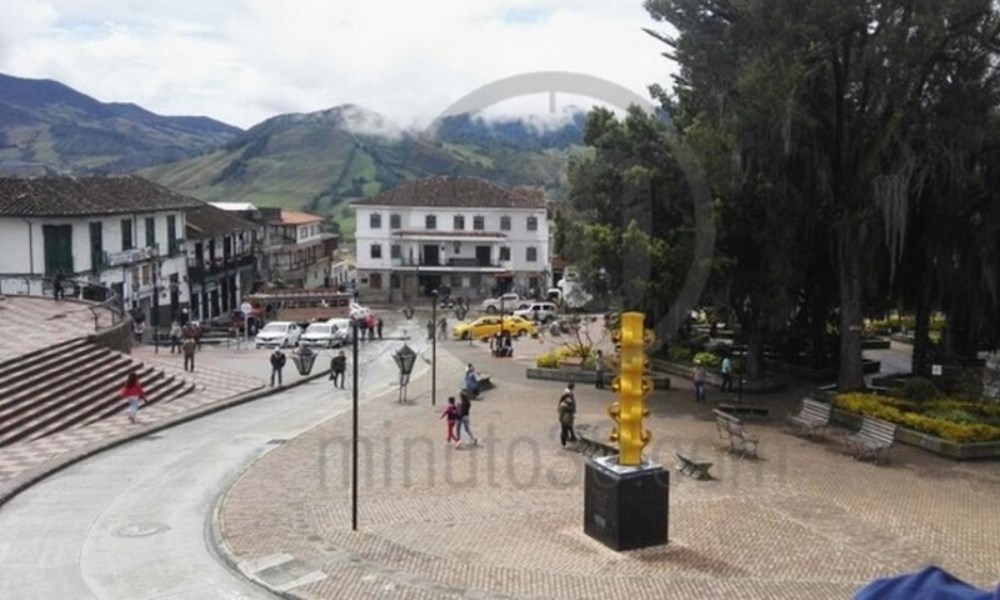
{"type": "Point", "coordinates": [242, 61]}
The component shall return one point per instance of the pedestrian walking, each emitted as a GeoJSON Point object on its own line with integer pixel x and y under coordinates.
{"type": "Point", "coordinates": [698, 378]}
{"type": "Point", "coordinates": [338, 369]}
{"type": "Point", "coordinates": [443, 328]}
{"type": "Point", "coordinates": [599, 368]}
{"type": "Point", "coordinates": [567, 414]}
{"type": "Point", "coordinates": [430, 330]}
{"type": "Point", "coordinates": [175, 336]}
{"type": "Point", "coordinates": [454, 415]}
{"type": "Point", "coordinates": [58, 291]}
{"type": "Point", "coordinates": [463, 411]}
{"type": "Point", "coordinates": [277, 364]}
{"type": "Point", "coordinates": [378, 325]}
{"type": "Point", "coordinates": [727, 374]}
{"type": "Point", "coordinates": [188, 349]}
{"type": "Point", "coordinates": [133, 393]}
{"type": "Point", "coordinates": [370, 325]}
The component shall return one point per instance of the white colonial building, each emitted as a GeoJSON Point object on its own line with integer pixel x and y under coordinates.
{"type": "Point", "coordinates": [465, 234]}
{"type": "Point", "coordinates": [123, 232]}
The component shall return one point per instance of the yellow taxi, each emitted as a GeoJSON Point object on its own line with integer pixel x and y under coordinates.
{"type": "Point", "coordinates": [485, 327]}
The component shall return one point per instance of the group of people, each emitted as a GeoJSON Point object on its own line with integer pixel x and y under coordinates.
{"type": "Point", "coordinates": [369, 326]}
{"type": "Point", "coordinates": [185, 339]}
{"type": "Point", "coordinates": [502, 344]}
{"type": "Point", "coordinates": [698, 378]}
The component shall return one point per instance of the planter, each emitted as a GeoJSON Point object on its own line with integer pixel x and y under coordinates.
{"type": "Point", "coordinates": [927, 442]}
{"type": "Point", "coordinates": [750, 386]}
{"type": "Point", "coordinates": [578, 375]}
{"type": "Point", "coordinates": [868, 366]}
{"type": "Point", "coordinates": [876, 343]}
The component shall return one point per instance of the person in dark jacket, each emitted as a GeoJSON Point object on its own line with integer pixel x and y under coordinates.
{"type": "Point", "coordinates": [464, 407]}
{"type": "Point", "coordinates": [567, 414]}
{"type": "Point", "coordinates": [338, 369]}
{"type": "Point", "coordinates": [277, 364]}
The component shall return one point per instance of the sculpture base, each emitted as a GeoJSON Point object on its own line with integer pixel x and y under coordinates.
{"type": "Point", "coordinates": [626, 508]}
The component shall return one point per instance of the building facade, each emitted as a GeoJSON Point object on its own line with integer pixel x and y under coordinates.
{"type": "Point", "coordinates": [296, 251]}
{"type": "Point", "coordinates": [221, 261]}
{"type": "Point", "coordinates": [123, 232]}
{"type": "Point", "coordinates": [465, 234]}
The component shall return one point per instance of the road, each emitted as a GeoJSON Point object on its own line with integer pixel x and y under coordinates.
{"type": "Point", "coordinates": [135, 522]}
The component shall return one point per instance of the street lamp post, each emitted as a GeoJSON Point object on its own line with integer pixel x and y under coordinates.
{"type": "Point", "coordinates": [434, 303]}
{"type": "Point", "coordinates": [405, 358]}
{"type": "Point", "coordinates": [354, 426]}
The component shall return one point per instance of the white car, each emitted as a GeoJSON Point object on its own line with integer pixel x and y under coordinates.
{"type": "Point", "coordinates": [540, 312]}
{"type": "Point", "coordinates": [278, 333]}
{"type": "Point", "coordinates": [322, 334]}
{"type": "Point", "coordinates": [508, 302]}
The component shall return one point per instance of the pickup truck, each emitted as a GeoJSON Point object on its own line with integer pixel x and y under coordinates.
{"type": "Point", "coordinates": [511, 302]}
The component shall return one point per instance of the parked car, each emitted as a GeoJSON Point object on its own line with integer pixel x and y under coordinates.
{"type": "Point", "coordinates": [278, 333]}
{"type": "Point", "coordinates": [539, 312]}
{"type": "Point", "coordinates": [485, 327]}
{"type": "Point", "coordinates": [328, 334]}
{"type": "Point", "coordinates": [509, 302]}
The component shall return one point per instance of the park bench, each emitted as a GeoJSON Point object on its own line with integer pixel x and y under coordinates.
{"type": "Point", "coordinates": [812, 418]}
{"type": "Point", "coordinates": [693, 466]}
{"type": "Point", "coordinates": [571, 361]}
{"type": "Point", "coordinates": [731, 428]}
{"type": "Point", "coordinates": [485, 382]}
{"type": "Point", "coordinates": [588, 441]}
{"type": "Point", "coordinates": [873, 440]}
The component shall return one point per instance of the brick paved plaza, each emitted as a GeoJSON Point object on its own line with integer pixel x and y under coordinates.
{"type": "Point", "coordinates": [504, 519]}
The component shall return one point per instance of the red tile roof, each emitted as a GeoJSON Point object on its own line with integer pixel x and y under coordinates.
{"type": "Point", "coordinates": [291, 217]}
{"type": "Point", "coordinates": [455, 192]}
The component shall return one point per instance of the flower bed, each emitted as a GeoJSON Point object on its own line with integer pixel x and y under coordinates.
{"type": "Point", "coordinates": [948, 419]}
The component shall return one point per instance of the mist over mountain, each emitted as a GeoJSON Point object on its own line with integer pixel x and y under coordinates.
{"type": "Point", "coordinates": [47, 127]}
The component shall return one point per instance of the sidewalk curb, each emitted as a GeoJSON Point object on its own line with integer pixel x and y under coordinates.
{"type": "Point", "coordinates": [217, 542]}
{"type": "Point", "coordinates": [23, 481]}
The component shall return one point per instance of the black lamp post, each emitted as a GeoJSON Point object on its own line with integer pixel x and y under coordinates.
{"type": "Point", "coordinates": [405, 358]}
{"type": "Point", "coordinates": [434, 303]}
{"type": "Point", "coordinates": [354, 425]}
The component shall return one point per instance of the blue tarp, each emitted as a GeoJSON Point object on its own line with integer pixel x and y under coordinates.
{"type": "Point", "coordinates": [931, 583]}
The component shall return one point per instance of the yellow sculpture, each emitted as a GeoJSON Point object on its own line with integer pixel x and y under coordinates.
{"type": "Point", "coordinates": [632, 388]}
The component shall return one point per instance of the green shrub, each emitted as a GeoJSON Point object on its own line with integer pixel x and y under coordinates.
{"type": "Point", "coordinates": [708, 360]}
{"type": "Point", "coordinates": [938, 423]}
{"type": "Point", "coordinates": [919, 390]}
{"type": "Point", "coordinates": [678, 354]}
{"type": "Point", "coordinates": [548, 361]}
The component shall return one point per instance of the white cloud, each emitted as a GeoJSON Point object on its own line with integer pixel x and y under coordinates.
{"type": "Point", "coordinates": [242, 61]}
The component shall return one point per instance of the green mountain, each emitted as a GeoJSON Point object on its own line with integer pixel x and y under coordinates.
{"type": "Point", "coordinates": [47, 127]}
{"type": "Point", "coordinates": [318, 162]}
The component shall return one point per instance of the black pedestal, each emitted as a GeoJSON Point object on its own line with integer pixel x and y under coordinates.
{"type": "Point", "coordinates": [625, 508]}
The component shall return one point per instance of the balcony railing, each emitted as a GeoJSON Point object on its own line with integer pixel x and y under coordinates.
{"type": "Point", "coordinates": [204, 268]}
{"type": "Point", "coordinates": [468, 263]}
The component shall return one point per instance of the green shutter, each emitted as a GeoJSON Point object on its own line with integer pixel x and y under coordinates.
{"type": "Point", "coordinates": [150, 232]}
{"type": "Point", "coordinates": [96, 246]}
{"type": "Point", "coordinates": [58, 249]}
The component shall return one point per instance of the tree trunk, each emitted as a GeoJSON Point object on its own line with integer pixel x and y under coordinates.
{"type": "Point", "coordinates": [921, 338]}
{"type": "Point", "coordinates": [851, 375]}
{"type": "Point", "coordinates": [755, 352]}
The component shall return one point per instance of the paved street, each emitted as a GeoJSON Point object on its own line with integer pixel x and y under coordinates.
{"type": "Point", "coordinates": [504, 519]}
{"type": "Point", "coordinates": [135, 522]}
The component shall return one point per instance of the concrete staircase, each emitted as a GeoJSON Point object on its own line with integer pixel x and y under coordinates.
{"type": "Point", "coordinates": [71, 384]}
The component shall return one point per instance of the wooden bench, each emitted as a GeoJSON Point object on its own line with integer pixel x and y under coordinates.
{"type": "Point", "coordinates": [812, 418]}
{"type": "Point", "coordinates": [873, 440]}
{"type": "Point", "coordinates": [693, 466]}
{"type": "Point", "coordinates": [731, 428]}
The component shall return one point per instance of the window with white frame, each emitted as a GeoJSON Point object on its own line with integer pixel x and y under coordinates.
{"type": "Point", "coordinates": [430, 222]}
{"type": "Point", "coordinates": [532, 223]}
{"type": "Point", "coordinates": [504, 252]}
{"type": "Point", "coordinates": [479, 223]}
{"type": "Point", "coordinates": [459, 223]}
{"type": "Point", "coordinates": [395, 222]}
{"type": "Point", "coordinates": [376, 251]}
{"type": "Point", "coordinates": [531, 254]}
{"type": "Point", "coordinates": [505, 223]}
{"type": "Point", "coordinates": [375, 221]}
{"type": "Point", "coordinates": [395, 251]}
